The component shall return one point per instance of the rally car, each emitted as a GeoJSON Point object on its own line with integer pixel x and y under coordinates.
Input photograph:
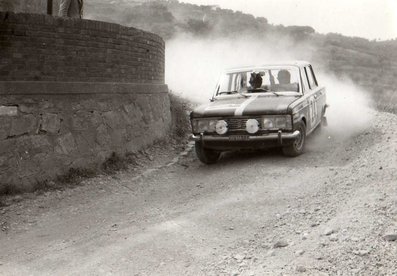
{"type": "Point", "coordinates": [259, 107]}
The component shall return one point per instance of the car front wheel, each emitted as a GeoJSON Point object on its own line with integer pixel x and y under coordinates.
{"type": "Point", "coordinates": [207, 156]}
{"type": "Point", "coordinates": [298, 146]}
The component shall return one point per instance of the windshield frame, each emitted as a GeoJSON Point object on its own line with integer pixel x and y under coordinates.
{"type": "Point", "coordinates": [216, 94]}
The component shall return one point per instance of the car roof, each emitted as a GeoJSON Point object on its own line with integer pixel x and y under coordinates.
{"type": "Point", "coordinates": [298, 63]}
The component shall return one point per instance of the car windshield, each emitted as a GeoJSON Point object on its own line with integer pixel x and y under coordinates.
{"type": "Point", "coordinates": [273, 80]}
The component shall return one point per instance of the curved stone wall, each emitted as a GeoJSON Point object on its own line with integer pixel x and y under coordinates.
{"type": "Point", "coordinates": [72, 92]}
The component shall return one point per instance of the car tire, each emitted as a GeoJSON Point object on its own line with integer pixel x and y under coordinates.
{"type": "Point", "coordinates": [207, 156]}
{"type": "Point", "coordinates": [298, 146]}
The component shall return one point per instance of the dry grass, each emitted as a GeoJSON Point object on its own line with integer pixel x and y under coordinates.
{"type": "Point", "coordinates": [115, 163]}
{"type": "Point", "coordinates": [180, 109]}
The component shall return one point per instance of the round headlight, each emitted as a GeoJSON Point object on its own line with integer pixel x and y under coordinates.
{"type": "Point", "coordinates": [252, 126]}
{"type": "Point", "coordinates": [202, 125]}
{"type": "Point", "coordinates": [281, 122]}
{"type": "Point", "coordinates": [221, 127]}
{"type": "Point", "coordinates": [212, 126]}
{"type": "Point", "coordinates": [267, 123]}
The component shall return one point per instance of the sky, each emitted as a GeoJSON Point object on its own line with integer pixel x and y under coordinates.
{"type": "Point", "coordinates": [371, 19]}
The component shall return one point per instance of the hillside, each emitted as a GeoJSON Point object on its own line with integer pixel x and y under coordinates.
{"type": "Point", "coordinates": [370, 64]}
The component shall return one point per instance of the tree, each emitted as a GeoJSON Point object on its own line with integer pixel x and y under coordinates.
{"type": "Point", "coordinates": [198, 27]}
{"type": "Point", "coordinates": [262, 20]}
{"type": "Point", "coordinates": [152, 16]}
{"type": "Point", "coordinates": [300, 32]}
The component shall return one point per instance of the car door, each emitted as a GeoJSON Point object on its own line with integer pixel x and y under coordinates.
{"type": "Point", "coordinates": [314, 99]}
{"type": "Point", "coordinates": [318, 94]}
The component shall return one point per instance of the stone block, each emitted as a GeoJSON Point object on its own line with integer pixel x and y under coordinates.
{"type": "Point", "coordinates": [4, 159]}
{"type": "Point", "coordinates": [40, 142]}
{"type": "Point", "coordinates": [5, 124]}
{"type": "Point", "coordinates": [50, 123]}
{"type": "Point", "coordinates": [4, 130]}
{"type": "Point", "coordinates": [128, 118]}
{"type": "Point", "coordinates": [95, 118]}
{"type": "Point", "coordinates": [27, 108]}
{"type": "Point", "coordinates": [80, 121]}
{"type": "Point", "coordinates": [129, 108]}
{"type": "Point", "coordinates": [136, 114]}
{"type": "Point", "coordinates": [27, 145]}
{"type": "Point", "coordinates": [23, 125]}
{"type": "Point", "coordinates": [44, 105]}
{"type": "Point", "coordinates": [8, 111]}
{"type": "Point", "coordinates": [84, 147]}
{"type": "Point", "coordinates": [102, 136]}
{"type": "Point", "coordinates": [65, 144]}
{"type": "Point", "coordinates": [7, 146]}
{"type": "Point", "coordinates": [112, 119]}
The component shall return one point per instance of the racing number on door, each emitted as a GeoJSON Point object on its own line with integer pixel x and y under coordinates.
{"type": "Point", "coordinates": [313, 111]}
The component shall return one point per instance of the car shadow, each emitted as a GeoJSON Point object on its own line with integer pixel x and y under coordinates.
{"type": "Point", "coordinates": [323, 149]}
{"type": "Point", "coordinates": [250, 155]}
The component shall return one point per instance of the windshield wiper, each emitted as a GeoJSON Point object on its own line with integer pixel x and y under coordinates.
{"type": "Point", "coordinates": [227, 92]}
{"type": "Point", "coordinates": [233, 92]}
{"type": "Point", "coordinates": [275, 93]}
{"type": "Point", "coordinates": [264, 90]}
{"type": "Point", "coordinates": [278, 94]}
{"type": "Point", "coordinates": [258, 90]}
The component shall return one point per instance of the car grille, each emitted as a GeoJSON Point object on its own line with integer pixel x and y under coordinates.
{"type": "Point", "coordinates": [238, 123]}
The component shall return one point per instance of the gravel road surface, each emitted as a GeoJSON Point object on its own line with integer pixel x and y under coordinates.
{"type": "Point", "coordinates": [331, 211]}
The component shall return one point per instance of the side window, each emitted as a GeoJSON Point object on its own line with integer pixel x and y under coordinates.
{"type": "Point", "coordinates": [241, 82]}
{"type": "Point", "coordinates": [312, 80]}
{"type": "Point", "coordinates": [314, 76]}
{"type": "Point", "coordinates": [232, 86]}
{"type": "Point", "coordinates": [305, 84]}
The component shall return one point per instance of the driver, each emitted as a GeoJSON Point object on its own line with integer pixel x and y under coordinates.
{"type": "Point", "coordinates": [255, 80]}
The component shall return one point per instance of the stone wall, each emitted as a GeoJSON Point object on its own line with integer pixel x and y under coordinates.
{"type": "Point", "coordinates": [65, 103]}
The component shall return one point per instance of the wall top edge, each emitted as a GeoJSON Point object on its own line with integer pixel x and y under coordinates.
{"type": "Point", "coordinates": [66, 88]}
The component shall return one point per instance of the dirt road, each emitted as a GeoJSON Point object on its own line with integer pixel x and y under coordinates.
{"type": "Point", "coordinates": [329, 211]}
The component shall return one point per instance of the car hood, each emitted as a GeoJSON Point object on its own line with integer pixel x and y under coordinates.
{"type": "Point", "coordinates": [245, 106]}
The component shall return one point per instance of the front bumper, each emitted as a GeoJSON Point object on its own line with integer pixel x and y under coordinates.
{"type": "Point", "coordinates": [246, 141]}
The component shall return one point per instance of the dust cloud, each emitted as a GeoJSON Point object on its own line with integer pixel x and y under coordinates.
{"type": "Point", "coordinates": [193, 66]}
{"type": "Point", "coordinates": [350, 107]}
